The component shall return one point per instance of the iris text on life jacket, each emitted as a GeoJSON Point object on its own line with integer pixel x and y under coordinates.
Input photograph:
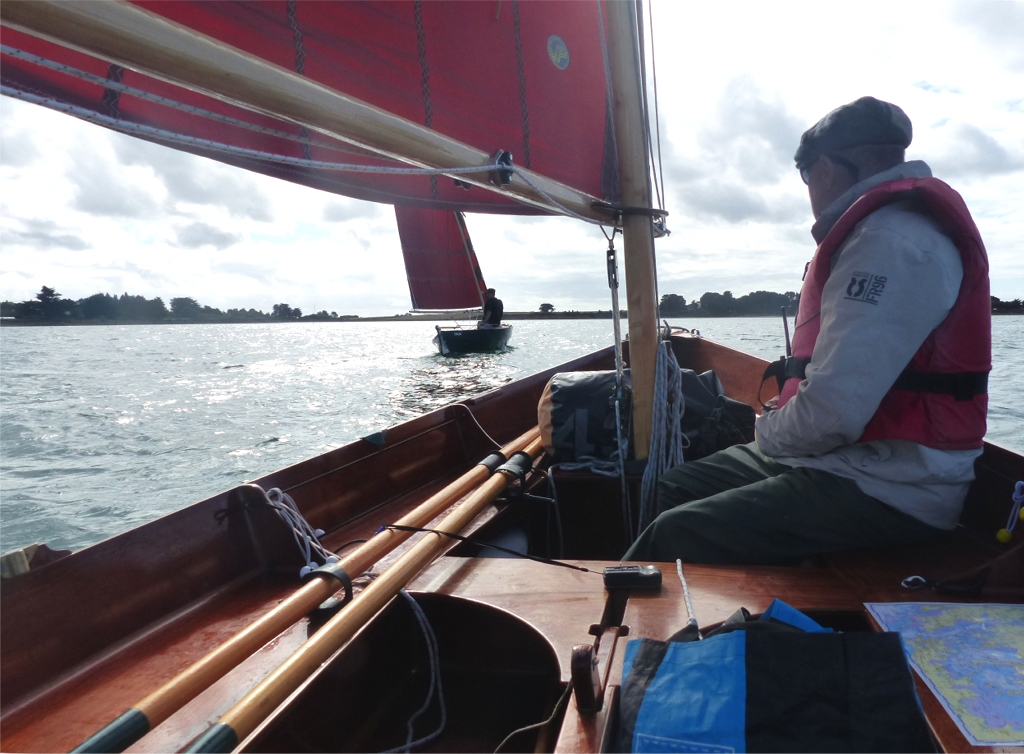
{"type": "Point", "coordinates": [864, 286]}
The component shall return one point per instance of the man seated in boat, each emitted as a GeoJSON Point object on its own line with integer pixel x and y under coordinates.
{"type": "Point", "coordinates": [882, 410]}
{"type": "Point", "coordinates": [493, 309]}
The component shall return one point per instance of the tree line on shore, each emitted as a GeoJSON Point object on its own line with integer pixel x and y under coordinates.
{"type": "Point", "coordinates": [764, 303]}
{"type": "Point", "coordinates": [712, 304]}
{"type": "Point", "coordinates": [49, 306]}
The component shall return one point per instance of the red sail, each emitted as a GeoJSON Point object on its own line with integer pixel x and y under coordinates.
{"type": "Point", "coordinates": [526, 77]}
{"type": "Point", "coordinates": [439, 259]}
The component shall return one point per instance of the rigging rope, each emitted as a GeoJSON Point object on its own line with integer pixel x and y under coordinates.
{"type": "Point", "coordinates": [142, 94]}
{"type": "Point", "coordinates": [306, 537]}
{"type": "Point", "coordinates": [164, 135]}
{"type": "Point", "coordinates": [1016, 514]}
{"type": "Point", "coordinates": [691, 616]}
{"type": "Point", "coordinates": [666, 449]}
{"type": "Point", "coordinates": [435, 681]}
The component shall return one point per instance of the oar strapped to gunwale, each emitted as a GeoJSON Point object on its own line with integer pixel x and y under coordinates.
{"type": "Point", "coordinates": [136, 722]}
{"type": "Point", "coordinates": [269, 694]}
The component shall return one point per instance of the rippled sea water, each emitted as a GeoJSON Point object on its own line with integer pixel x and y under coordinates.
{"type": "Point", "coordinates": [105, 428]}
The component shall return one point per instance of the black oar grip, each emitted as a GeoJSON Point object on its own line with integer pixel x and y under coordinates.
{"type": "Point", "coordinates": [218, 738]}
{"type": "Point", "coordinates": [118, 735]}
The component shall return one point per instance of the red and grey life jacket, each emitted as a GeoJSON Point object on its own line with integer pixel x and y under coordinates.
{"type": "Point", "coordinates": [941, 398]}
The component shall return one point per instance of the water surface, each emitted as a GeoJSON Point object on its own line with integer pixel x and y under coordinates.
{"type": "Point", "coordinates": [105, 428]}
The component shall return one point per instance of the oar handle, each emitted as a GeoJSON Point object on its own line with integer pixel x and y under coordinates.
{"type": "Point", "coordinates": [118, 735]}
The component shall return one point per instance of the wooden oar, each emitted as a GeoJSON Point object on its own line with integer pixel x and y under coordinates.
{"type": "Point", "coordinates": [173, 695]}
{"type": "Point", "coordinates": [264, 698]}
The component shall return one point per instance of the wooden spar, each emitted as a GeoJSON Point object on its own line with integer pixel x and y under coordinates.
{"type": "Point", "coordinates": [254, 707]}
{"type": "Point", "coordinates": [173, 695]}
{"type": "Point", "coordinates": [133, 37]}
{"type": "Point", "coordinates": [637, 230]}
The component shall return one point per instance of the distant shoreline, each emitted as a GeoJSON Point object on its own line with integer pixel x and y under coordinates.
{"type": "Point", "coordinates": [508, 316]}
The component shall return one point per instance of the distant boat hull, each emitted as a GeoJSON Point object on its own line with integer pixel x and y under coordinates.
{"type": "Point", "coordinates": [454, 340]}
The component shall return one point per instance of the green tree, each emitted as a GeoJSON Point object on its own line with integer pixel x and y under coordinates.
{"type": "Point", "coordinates": [672, 305]}
{"type": "Point", "coordinates": [185, 307]}
{"type": "Point", "coordinates": [546, 308]}
{"type": "Point", "coordinates": [283, 311]}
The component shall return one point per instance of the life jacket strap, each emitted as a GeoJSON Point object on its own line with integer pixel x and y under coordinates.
{"type": "Point", "coordinates": [961, 385]}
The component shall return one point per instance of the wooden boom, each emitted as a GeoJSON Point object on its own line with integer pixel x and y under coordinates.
{"type": "Point", "coordinates": [135, 38]}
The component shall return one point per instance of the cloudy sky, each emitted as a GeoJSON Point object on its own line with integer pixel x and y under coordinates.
{"type": "Point", "coordinates": [85, 210]}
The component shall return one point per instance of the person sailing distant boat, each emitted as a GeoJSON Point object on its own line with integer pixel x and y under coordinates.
{"type": "Point", "coordinates": [493, 309]}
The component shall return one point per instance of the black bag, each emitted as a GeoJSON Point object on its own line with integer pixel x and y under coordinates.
{"type": "Point", "coordinates": [576, 415]}
{"type": "Point", "coordinates": [711, 420]}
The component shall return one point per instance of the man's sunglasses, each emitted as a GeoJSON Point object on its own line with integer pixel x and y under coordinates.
{"type": "Point", "coordinates": [805, 171]}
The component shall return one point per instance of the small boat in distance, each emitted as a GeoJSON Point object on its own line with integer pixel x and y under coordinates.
{"type": "Point", "coordinates": [444, 274]}
{"type": "Point", "coordinates": [452, 341]}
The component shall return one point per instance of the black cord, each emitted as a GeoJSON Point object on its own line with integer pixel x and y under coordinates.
{"type": "Point", "coordinates": [559, 705]}
{"type": "Point", "coordinates": [480, 543]}
{"type": "Point", "coordinates": [339, 548]}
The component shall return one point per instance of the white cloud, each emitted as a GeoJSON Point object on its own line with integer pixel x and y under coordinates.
{"type": "Point", "coordinates": [85, 210]}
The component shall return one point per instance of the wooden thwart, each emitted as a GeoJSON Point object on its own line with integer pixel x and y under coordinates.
{"type": "Point", "coordinates": [173, 695]}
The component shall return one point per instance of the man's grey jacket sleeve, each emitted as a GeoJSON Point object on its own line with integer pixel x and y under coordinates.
{"type": "Point", "coordinates": [866, 341]}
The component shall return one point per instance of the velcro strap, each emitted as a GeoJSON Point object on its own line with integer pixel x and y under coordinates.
{"type": "Point", "coordinates": [786, 368]}
{"type": "Point", "coordinates": [333, 570]}
{"type": "Point", "coordinates": [519, 463]}
{"type": "Point", "coordinates": [493, 461]}
{"type": "Point", "coordinates": [961, 385]}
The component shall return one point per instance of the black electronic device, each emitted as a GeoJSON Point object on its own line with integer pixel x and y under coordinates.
{"type": "Point", "coordinates": [632, 577]}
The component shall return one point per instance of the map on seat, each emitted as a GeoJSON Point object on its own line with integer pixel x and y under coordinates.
{"type": "Point", "coordinates": [971, 657]}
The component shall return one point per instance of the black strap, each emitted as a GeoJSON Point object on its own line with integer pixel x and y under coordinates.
{"type": "Point", "coordinates": [519, 465]}
{"type": "Point", "coordinates": [333, 570]}
{"type": "Point", "coordinates": [785, 368]}
{"type": "Point", "coordinates": [961, 385]}
{"type": "Point", "coordinates": [493, 461]}
{"type": "Point", "coordinates": [483, 543]}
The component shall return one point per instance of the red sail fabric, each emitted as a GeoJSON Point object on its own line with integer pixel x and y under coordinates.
{"type": "Point", "coordinates": [439, 259]}
{"type": "Point", "coordinates": [526, 77]}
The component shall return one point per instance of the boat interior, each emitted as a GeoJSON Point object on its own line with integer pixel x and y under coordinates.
{"type": "Point", "coordinates": [87, 636]}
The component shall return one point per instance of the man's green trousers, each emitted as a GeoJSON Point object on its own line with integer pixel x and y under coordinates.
{"type": "Point", "coordinates": [739, 506]}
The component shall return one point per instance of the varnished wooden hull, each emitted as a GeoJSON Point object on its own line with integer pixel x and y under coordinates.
{"type": "Point", "coordinates": [84, 638]}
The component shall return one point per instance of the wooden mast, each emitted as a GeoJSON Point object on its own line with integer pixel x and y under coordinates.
{"type": "Point", "coordinates": [135, 38]}
{"type": "Point", "coordinates": [637, 230]}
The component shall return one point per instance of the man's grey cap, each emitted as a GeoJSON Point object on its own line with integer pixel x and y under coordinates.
{"type": "Point", "coordinates": [862, 122]}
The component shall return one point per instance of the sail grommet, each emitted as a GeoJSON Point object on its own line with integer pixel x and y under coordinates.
{"type": "Point", "coordinates": [502, 174]}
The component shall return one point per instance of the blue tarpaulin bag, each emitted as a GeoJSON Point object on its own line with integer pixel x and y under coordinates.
{"type": "Point", "coordinates": [778, 683]}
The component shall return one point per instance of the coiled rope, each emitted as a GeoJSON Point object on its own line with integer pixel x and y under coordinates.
{"type": "Point", "coordinates": [306, 537]}
{"type": "Point", "coordinates": [666, 449]}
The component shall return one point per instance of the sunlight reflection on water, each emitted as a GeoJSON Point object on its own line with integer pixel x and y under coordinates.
{"type": "Point", "coordinates": [105, 428]}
